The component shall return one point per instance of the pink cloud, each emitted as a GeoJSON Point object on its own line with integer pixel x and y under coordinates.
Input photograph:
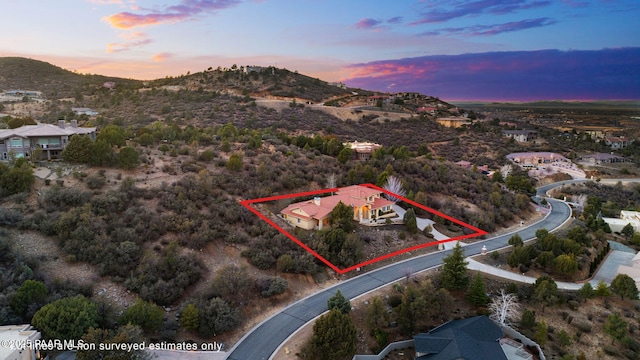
{"type": "Point", "coordinates": [187, 9]}
{"type": "Point", "coordinates": [162, 56]}
{"type": "Point", "coordinates": [119, 47]}
{"type": "Point", "coordinates": [367, 23]}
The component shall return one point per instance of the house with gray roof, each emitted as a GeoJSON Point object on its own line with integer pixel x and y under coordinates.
{"type": "Point", "coordinates": [476, 338]}
{"type": "Point", "coordinates": [51, 139]}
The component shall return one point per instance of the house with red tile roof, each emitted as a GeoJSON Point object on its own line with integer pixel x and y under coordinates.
{"type": "Point", "coordinates": [367, 203]}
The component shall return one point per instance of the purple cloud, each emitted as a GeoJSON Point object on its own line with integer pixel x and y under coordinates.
{"type": "Point", "coordinates": [367, 23]}
{"type": "Point", "coordinates": [511, 76]}
{"type": "Point", "coordinates": [187, 9]}
{"type": "Point", "coordinates": [465, 8]}
{"type": "Point", "coordinates": [395, 20]}
{"type": "Point", "coordinates": [494, 29]}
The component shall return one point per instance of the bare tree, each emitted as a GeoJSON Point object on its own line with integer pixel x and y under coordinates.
{"type": "Point", "coordinates": [505, 170]}
{"type": "Point", "coordinates": [394, 186]}
{"type": "Point", "coordinates": [505, 309]}
{"type": "Point", "coordinates": [581, 200]}
{"type": "Point", "coordinates": [331, 180]}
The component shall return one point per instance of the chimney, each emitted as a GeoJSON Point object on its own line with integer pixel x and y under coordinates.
{"type": "Point", "coordinates": [74, 123]}
{"type": "Point", "coordinates": [316, 200]}
{"type": "Point", "coordinates": [61, 124]}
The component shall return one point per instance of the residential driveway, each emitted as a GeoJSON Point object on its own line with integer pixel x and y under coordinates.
{"type": "Point", "coordinates": [422, 223]}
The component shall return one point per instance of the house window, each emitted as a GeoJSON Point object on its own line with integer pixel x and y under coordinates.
{"type": "Point", "coordinates": [298, 221]}
{"type": "Point", "coordinates": [373, 212]}
{"type": "Point", "coordinates": [16, 143]}
{"type": "Point", "coordinates": [4, 156]}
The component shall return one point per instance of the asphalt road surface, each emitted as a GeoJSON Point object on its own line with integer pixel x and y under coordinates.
{"type": "Point", "coordinates": [263, 340]}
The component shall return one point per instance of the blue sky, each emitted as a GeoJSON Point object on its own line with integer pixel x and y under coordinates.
{"type": "Point", "coordinates": [457, 50]}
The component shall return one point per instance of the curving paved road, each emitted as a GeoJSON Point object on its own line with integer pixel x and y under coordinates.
{"type": "Point", "coordinates": [264, 339]}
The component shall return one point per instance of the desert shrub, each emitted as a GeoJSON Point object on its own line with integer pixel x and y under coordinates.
{"type": "Point", "coordinates": [582, 326]}
{"type": "Point", "coordinates": [62, 199]}
{"type": "Point", "coordinates": [96, 182]}
{"type": "Point", "coordinates": [270, 286]}
{"type": "Point", "coordinates": [10, 217]}
{"type": "Point", "coordinates": [216, 316]}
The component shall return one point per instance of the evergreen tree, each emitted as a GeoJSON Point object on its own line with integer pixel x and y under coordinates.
{"type": "Point", "coordinates": [528, 319]}
{"type": "Point", "coordinates": [545, 291]}
{"type": "Point", "coordinates": [189, 318]}
{"type": "Point", "coordinates": [30, 293]}
{"type": "Point", "coordinates": [615, 327]}
{"type": "Point", "coordinates": [235, 162]}
{"type": "Point", "coordinates": [410, 221]}
{"type": "Point", "coordinates": [78, 150]}
{"type": "Point", "coordinates": [67, 318]}
{"type": "Point", "coordinates": [627, 231]}
{"type": "Point", "coordinates": [586, 291]}
{"type": "Point", "coordinates": [334, 338]}
{"type": "Point", "coordinates": [338, 301]}
{"type": "Point", "coordinates": [128, 158]}
{"type": "Point", "coordinates": [624, 285]}
{"type": "Point", "coordinates": [341, 217]}
{"type": "Point", "coordinates": [477, 294]}
{"type": "Point", "coordinates": [377, 315]}
{"type": "Point", "coordinates": [602, 289]}
{"type": "Point", "coordinates": [516, 240]}
{"type": "Point", "coordinates": [147, 315]}
{"type": "Point", "coordinates": [453, 274]}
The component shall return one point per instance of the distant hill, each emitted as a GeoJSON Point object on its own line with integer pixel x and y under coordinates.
{"type": "Point", "coordinates": [55, 82]}
{"type": "Point", "coordinates": [244, 83]}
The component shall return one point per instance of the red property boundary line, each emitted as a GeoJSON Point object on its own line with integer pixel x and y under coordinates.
{"type": "Point", "coordinates": [248, 205]}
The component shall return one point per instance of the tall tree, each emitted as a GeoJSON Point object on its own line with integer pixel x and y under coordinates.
{"type": "Point", "coordinates": [615, 327]}
{"type": "Point", "coordinates": [67, 318]}
{"type": "Point", "coordinates": [147, 315]}
{"type": "Point", "coordinates": [338, 301]}
{"type": "Point", "coordinates": [112, 135]}
{"type": "Point", "coordinates": [627, 231]}
{"type": "Point", "coordinates": [394, 186]}
{"type": "Point", "coordinates": [334, 338]}
{"type": "Point", "coordinates": [477, 294]}
{"type": "Point", "coordinates": [341, 217]}
{"type": "Point", "coordinates": [454, 273]}
{"type": "Point", "coordinates": [410, 221]}
{"type": "Point", "coordinates": [128, 158]}
{"type": "Point", "coordinates": [624, 285]}
{"type": "Point", "coordinates": [377, 316]}
{"type": "Point", "coordinates": [505, 309]}
{"type": "Point", "coordinates": [30, 294]}
{"type": "Point", "coordinates": [78, 150]}
{"type": "Point", "coordinates": [189, 318]}
{"type": "Point", "coordinates": [545, 291]}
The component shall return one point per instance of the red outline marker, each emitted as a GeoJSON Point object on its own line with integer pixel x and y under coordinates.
{"type": "Point", "coordinates": [248, 205]}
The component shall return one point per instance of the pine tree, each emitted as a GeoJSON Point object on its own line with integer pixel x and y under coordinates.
{"type": "Point", "coordinates": [338, 301]}
{"type": "Point", "coordinates": [189, 319]}
{"type": "Point", "coordinates": [334, 338]}
{"type": "Point", "coordinates": [453, 275]}
{"type": "Point", "coordinates": [477, 294]}
{"type": "Point", "coordinates": [624, 285]}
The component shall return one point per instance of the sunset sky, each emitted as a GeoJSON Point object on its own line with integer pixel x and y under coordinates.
{"type": "Point", "coordinates": [456, 50]}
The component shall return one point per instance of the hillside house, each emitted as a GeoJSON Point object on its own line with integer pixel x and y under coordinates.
{"type": "Point", "coordinates": [603, 158]}
{"type": "Point", "coordinates": [453, 122]}
{"type": "Point", "coordinates": [475, 338]}
{"type": "Point", "coordinates": [84, 111]}
{"type": "Point", "coordinates": [362, 150]}
{"type": "Point", "coordinates": [51, 139]}
{"type": "Point", "coordinates": [367, 203]}
{"type": "Point", "coordinates": [617, 142]}
{"type": "Point", "coordinates": [520, 136]}
{"type": "Point", "coordinates": [626, 217]}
